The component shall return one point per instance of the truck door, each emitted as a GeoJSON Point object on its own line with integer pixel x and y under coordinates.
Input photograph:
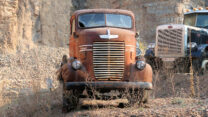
{"type": "Point", "coordinates": [73, 41]}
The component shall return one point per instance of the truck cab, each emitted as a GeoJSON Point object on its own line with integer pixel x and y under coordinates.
{"type": "Point", "coordinates": [176, 43]}
{"type": "Point", "coordinates": [103, 55]}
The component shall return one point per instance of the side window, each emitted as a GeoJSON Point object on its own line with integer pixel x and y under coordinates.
{"type": "Point", "coordinates": [73, 27]}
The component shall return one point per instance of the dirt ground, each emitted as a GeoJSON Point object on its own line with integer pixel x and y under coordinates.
{"type": "Point", "coordinates": [166, 100]}
{"type": "Point", "coordinates": [160, 107]}
{"type": "Point", "coordinates": [25, 92]}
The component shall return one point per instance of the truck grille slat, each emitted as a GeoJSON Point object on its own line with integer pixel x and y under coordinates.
{"type": "Point", "coordinates": [104, 61]}
{"type": "Point", "coordinates": [108, 60]}
{"type": "Point", "coordinates": [108, 68]}
{"type": "Point", "coordinates": [107, 54]}
{"type": "Point", "coordinates": [110, 52]}
{"type": "Point", "coordinates": [102, 76]}
{"type": "Point", "coordinates": [111, 46]}
{"type": "Point", "coordinates": [108, 75]}
{"type": "Point", "coordinates": [97, 56]}
{"type": "Point", "coordinates": [98, 66]}
{"type": "Point", "coordinates": [113, 49]}
{"type": "Point", "coordinates": [104, 71]}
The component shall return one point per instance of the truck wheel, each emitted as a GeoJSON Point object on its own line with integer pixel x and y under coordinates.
{"type": "Point", "coordinates": [70, 100]}
{"type": "Point", "coordinates": [133, 99]}
{"type": "Point", "coordinates": [206, 68]}
{"type": "Point", "coordinates": [145, 98]}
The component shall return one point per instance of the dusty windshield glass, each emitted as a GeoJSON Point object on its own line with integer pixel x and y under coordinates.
{"type": "Point", "coordinates": [190, 19]}
{"type": "Point", "coordinates": [91, 20]}
{"type": "Point", "coordinates": [202, 20]}
{"type": "Point", "coordinates": [118, 20]}
{"type": "Point", "coordinates": [99, 20]}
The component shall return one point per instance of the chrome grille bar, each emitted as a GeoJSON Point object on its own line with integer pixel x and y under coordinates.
{"type": "Point", "coordinates": [108, 60]}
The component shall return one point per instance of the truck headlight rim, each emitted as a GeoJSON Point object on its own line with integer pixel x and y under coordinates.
{"type": "Point", "coordinates": [76, 65]}
{"type": "Point", "coordinates": [140, 65]}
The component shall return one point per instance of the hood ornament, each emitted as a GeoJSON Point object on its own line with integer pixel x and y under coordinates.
{"type": "Point", "coordinates": [108, 36]}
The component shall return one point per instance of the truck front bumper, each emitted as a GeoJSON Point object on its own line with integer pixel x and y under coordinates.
{"type": "Point", "coordinates": [109, 85]}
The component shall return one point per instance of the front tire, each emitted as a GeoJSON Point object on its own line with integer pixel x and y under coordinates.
{"type": "Point", "coordinates": [145, 98]}
{"type": "Point", "coordinates": [138, 97]}
{"type": "Point", "coordinates": [70, 100]}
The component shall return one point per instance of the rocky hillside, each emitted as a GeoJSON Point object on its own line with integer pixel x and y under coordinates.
{"type": "Point", "coordinates": [25, 23]}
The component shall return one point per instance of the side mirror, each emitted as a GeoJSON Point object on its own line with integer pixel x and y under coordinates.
{"type": "Point", "coordinates": [75, 35]}
{"type": "Point", "coordinates": [137, 35]}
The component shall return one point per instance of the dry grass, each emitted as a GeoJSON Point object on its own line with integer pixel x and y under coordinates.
{"type": "Point", "coordinates": [33, 98]}
{"type": "Point", "coordinates": [24, 87]}
{"type": "Point", "coordinates": [142, 46]}
{"type": "Point", "coordinates": [33, 104]}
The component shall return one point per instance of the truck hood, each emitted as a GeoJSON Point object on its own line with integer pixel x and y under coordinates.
{"type": "Point", "coordinates": [175, 26]}
{"type": "Point", "coordinates": [115, 34]}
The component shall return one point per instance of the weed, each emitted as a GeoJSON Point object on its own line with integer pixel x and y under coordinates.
{"type": "Point", "coordinates": [177, 101]}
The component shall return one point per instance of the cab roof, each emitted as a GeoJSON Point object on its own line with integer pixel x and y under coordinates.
{"type": "Point", "coordinates": [117, 11]}
{"type": "Point", "coordinates": [197, 11]}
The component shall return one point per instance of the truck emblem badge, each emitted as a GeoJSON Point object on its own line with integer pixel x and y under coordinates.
{"type": "Point", "coordinates": [108, 36]}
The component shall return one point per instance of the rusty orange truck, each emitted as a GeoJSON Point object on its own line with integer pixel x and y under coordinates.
{"type": "Point", "coordinates": [103, 56]}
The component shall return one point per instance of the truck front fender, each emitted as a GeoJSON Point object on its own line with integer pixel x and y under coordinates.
{"type": "Point", "coordinates": [68, 74]}
{"type": "Point", "coordinates": [144, 75]}
{"type": "Point", "coordinates": [204, 63]}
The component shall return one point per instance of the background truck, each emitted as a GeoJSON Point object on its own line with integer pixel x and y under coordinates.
{"type": "Point", "coordinates": [177, 43]}
{"type": "Point", "coordinates": [103, 57]}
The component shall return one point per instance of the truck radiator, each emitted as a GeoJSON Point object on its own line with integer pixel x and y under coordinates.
{"type": "Point", "coordinates": [108, 60]}
{"type": "Point", "coordinates": [170, 43]}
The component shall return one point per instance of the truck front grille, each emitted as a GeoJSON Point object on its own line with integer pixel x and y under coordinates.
{"type": "Point", "coordinates": [169, 43]}
{"type": "Point", "coordinates": [108, 60]}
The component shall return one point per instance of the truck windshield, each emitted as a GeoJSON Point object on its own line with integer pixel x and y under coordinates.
{"type": "Point", "coordinates": [202, 20]}
{"type": "Point", "coordinates": [198, 20]}
{"type": "Point", "coordinates": [190, 19]}
{"type": "Point", "coordinates": [100, 20]}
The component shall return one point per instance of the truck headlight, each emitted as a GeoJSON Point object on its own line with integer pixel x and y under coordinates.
{"type": "Point", "coordinates": [76, 64]}
{"type": "Point", "coordinates": [140, 65]}
{"type": "Point", "coordinates": [193, 45]}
